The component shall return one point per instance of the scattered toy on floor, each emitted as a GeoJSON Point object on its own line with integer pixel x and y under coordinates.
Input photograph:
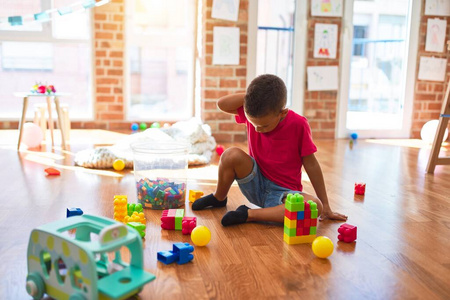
{"type": "Point", "coordinates": [360, 188]}
{"type": "Point", "coordinates": [322, 247]}
{"type": "Point", "coordinates": [181, 253]}
{"type": "Point", "coordinates": [119, 164]}
{"type": "Point", "coordinates": [74, 211]}
{"type": "Point", "coordinates": [347, 233]}
{"type": "Point", "coordinates": [52, 171]}
{"type": "Point", "coordinates": [174, 219]}
{"type": "Point", "coordinates": [194, 195]}
{"type": "Point", "coordinates": [201, 235]}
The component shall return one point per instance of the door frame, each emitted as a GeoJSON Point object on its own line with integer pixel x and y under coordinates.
{"type": "Point", "coordinates": [299, 52]}
{"type": "Point", "coordinates": [346, 49]}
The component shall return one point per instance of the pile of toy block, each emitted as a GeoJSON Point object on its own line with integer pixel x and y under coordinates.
{"type": "Point", "coordinates": [300, 220]}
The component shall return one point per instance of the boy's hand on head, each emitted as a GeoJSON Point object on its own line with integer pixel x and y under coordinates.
{"type": "Point", "coordinates": [329, 214]}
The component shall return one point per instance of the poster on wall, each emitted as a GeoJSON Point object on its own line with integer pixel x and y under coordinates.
{"type": "Point", "coordinates": [322, 78]}
{"type": "Point", "coordinates": [435, 35]}
{"type": "Point", "coordinates": [326, 8]}
{"type": "Point", "coordinates": [325, 40]}
{"type": "Point", "coordinates": [225, 10]}
{"type": "Point", "coordinates": [432, 69]}
{"type": "Point", "coordinates": [225, 45]}
{"type": "Point", "coordinates": [437, 7]}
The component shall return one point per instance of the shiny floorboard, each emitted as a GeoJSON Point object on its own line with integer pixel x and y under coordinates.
{"type": "Point", "coordinates": [402, 250]}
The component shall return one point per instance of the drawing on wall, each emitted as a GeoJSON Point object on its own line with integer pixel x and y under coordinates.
{"type": "Point", "coordinates": [435, 35]}
{"type": "Point", "coordinates": [325, 40]}
{"type": "Point", "coordinates": [432, 69]}
{"type": "Point", "coordinates": [326, 8]}
{"type": "Point", "coordinates": [225, 45]}
{"type": "Point", "coordinates": [225, 10]}
{"type": "Point", "coordinates": [437, 7]}
{"type": "Point", "coordinates": [322, 78]}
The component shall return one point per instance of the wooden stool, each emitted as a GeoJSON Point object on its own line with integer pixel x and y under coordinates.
{"type": "Point", "coordinates": [41, 114]}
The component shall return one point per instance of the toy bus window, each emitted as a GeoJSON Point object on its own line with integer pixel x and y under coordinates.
{"type": "Point", "coordinates": [117, 260]}
{"type": "Point", "coordinates": [61, 270]}
{"type": "Point", "coordinates": [76, 277]}
{"type": "Point", "coordinates": [46, 263]}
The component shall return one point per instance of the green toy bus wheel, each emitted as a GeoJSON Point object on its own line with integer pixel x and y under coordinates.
{"type": "Point", "coordinates": [35, 286]}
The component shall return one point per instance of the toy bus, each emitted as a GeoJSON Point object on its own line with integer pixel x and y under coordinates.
{"type": "Point", "coordinates": [65, 261]}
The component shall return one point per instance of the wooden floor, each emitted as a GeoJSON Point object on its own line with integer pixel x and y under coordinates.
{"type": "Point", "coordinates": [402, 250]}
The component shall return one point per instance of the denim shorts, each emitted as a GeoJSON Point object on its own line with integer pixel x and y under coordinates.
{"type": "Point", "coordinates": [261, 191]}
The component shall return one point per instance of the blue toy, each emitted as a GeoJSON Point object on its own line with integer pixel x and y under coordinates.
{"type": "Point", "coordinates": [354, 136]}
{"type": "Point", "coordinates": [134, 126]}
{"type": "Point", "coordinates": [73, 266]}
{"type": "Point", "coordinates": [181, 253]}
{"type": "Point", "coordinates": [74, 211]}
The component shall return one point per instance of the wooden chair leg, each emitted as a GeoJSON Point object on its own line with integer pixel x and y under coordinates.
{"type": "Point", "coordinates": [22, 120]}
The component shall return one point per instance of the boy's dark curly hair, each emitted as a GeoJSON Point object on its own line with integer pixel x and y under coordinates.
{"type": "Point", "coordinates": [266, 94]}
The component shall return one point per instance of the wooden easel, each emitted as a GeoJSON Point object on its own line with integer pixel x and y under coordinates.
{"type": "Point", "coordinates": [443, 122]}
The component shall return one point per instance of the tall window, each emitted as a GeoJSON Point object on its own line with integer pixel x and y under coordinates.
{"type": "Point", "coordinates": [56, 52]}
{"type": "Point", "coordinates": [160, 49]}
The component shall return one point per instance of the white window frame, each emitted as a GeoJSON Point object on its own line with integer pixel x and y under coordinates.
{"type": "Point", "coordinates": [299, 53]}
{"type": "Point", "coordinates": [346, 53]}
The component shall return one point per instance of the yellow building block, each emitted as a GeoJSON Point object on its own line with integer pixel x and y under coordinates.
{"type": "Point", "coordinates": [290, 223]}
{"type": "Point", "coordinates": [120, 207]}
{"type": "Point", "coordinates": [301, 239]}
{"type": "Point", "coordinates": [194, 195]}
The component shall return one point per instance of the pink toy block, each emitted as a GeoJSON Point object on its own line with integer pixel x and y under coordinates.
{"type": "Point", "coordinates": [168, 219]}
{"type": "Point", "coordinates": [347, 233]}
{"type": "Point", "coordinates": [360, 188]}
{"type": "Point", "coordinates": [188, 224]}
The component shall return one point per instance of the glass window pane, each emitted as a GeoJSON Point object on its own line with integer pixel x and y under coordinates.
{"type": "Point", "coordinates": [25, 9]}
{"type": "Point", "coordinates": [160, 53]}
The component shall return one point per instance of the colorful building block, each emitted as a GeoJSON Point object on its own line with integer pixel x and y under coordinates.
{"type": "Point", "coordinates": [174, 219]}
{"type": "Point", "coordinates": [120, 207]}
{"type": "Point", "coordinates": [360, 188]}
{"type": "Point", "coordinates": [300, 220]}
{"type": "Point", "coordinates": [347, 233]}
{"type": "Point", "coordinates": [52, 171]}
{"type": "Point", "coordinates": [194, 195]}
{"type": "Point", "coordinates": [139, 227]}
{"type": "Point", "coordinates": [181, 253]}
{"type": "Point", "coordinates": [75, 211]}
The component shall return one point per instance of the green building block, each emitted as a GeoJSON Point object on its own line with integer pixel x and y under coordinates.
{"type": "Point", "coordinates": [295, 202]}
{"type": "Point", "coordinates": [179, 219]}
{"type": "Point", "coordinates": [290, 231]}
{"type": "Point", "coordinates": [314, 214]}
{"type": "Point", "coordinates": [312, 230]}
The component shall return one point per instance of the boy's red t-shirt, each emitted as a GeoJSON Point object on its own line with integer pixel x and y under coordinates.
{"type": "Point", "coordinates": [279, 153]}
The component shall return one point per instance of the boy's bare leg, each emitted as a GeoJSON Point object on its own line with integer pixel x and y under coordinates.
{"type": "Point", "coordinates": [234, 163]}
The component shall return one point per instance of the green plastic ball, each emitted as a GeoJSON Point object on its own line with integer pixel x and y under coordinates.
{"type": "Point", "coordinates": [143, 126]}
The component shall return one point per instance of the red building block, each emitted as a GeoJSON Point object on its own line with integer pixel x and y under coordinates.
{"type": "Point", "coordinates": [188, 224]}
{"type": "Point", "coordinates": [52, 171]}
{"type": "Point", "coordinates": [360, 188]}
{"type": "Point", "coordinates": [347, 233]}
{"type": "Point", "coordinates": [168, 219]}
{"type": "Point", "coordinates": [291, 215]}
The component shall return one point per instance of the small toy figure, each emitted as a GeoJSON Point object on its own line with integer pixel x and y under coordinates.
{"type": "Point", "coordinates": [181, 253]}
{"type": "Point", "coordinates": [322, 247]}
{"type": "Point", "coordinates": [194, 195]}
{"type": "Point", "coordinates": [360, 188]}
{"type": "Point", "coordinates": [52, 171]}
{"type": "Point", "coordinates": [347, 233]}
{"type": "Point", "coordinates": [75, 211]}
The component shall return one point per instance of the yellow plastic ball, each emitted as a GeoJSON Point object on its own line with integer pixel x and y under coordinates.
{"type": "Point", "coordinates": [119, 164]}
{"type": "Point", "coordinates": [201, 236]}
{"type": "Point", "coordinates": [322, 247]}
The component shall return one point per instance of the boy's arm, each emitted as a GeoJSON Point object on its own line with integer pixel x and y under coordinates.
{"type": "Point", "coordinates": [314, 171]}
{"type": "Point", "coordinates": [231, 103]}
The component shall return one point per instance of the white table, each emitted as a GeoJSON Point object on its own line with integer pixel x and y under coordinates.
{"type": "Point", "coordinates": [48, 97]}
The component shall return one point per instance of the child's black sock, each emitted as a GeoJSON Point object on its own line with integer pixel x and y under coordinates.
{"type": "Point", "coordinates": [207, 201]}
{"type": "Point", "coordinates": [238, 216]}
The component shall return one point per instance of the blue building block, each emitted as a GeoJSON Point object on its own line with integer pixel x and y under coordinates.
{"type": "Point", "coordinates": [167, 257]}
{"type": "Point", "coordinates": [181, 253]}
{"type": "Point", "coordinates": [75, 211]}
{"type": "Point", "coordinates": [183, 250]}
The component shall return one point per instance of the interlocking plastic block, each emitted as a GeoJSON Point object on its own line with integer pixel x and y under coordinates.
{"type": "Point", "coordinates": [290, 223]}
{"type": "Point", "coordinates": [188, 224]}
{"type": "Point", "coordinates": [347, 233]}
{"type": "Point", "coordinates": [168, 219]}
{"type": "Point", "coordinates": [183, 250]}
{"type": "Point", "coordinates": [290, 231]}
{"type": "Point", "coordinates": [194, 195]}
{"type": "Point", "coordinates": [139, 227]}
{"type": "Point", "coordinates": [290, 214]}
{"type": "Point", "coordinates": [360, 188]}
{"type": "Point", "coordinates": [299, 239]}
{"type": "Point", "coordinates": [167, 257]}
{"type": "Point", "coordinates": [75, 211]}
{"type": "Point", "coordinates": [52, 171]}
{"type": "Point", "coordinates": [179, 219]}
{"type": "Point", "coordinates": [294, 202]}
{"type": "Point", "coordinates": [181, 253]}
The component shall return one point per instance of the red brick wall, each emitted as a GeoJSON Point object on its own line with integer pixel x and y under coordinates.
{"type": "Point", "coordinates": [320, 107]}
{"type": "Point", "coordinates": [221, 80]}
{"type": "Point", "coordinates": [428, 95]}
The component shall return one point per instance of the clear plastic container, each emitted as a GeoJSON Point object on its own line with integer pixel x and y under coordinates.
{"type": "Point", "coordinates": [160, 171]}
